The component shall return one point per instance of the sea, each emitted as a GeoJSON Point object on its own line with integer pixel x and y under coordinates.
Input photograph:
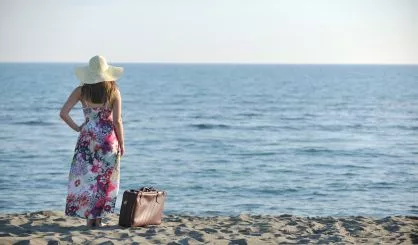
{"type": "Point", "coordinates": [226, 139]}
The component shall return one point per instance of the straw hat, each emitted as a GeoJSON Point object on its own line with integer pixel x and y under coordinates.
{"type": "Point", "coordinates": [98, 71]}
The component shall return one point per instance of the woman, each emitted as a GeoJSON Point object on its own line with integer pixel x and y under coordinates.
{"type": "Point", "coordinates": [94, 174]}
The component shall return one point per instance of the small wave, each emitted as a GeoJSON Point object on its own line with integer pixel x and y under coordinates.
{"type": "Point", "coordinates": [271, 128]}
{"type": "Point", "coordinates": [381, 185]}
{"type": "Point", "coordinates": [351, 166]}
{"type": "Point", "coordinates": [34, 123]}
{"type": "Point", "coordinates": [350, 174]}
{"type": "Point", "coordinates": [279, 191]}
{"type": "Point", "coordinates": [207, 116]}
{"type": "Point", "coordinates": [249, 114]}
{"type": "Point", "coordinates": [210, 126]}
{"type": "Point", "coordinates": [272, 191]}
{"type": "Point", "coordinates": [55, 173]}
{"type": "Point", "coordinates": [321, 194]}
{"type": "Point", "coordinates": [197, 187]}
{"type": "Point", "coordinates": [414, 209]}
{"type": "Point", "coordinates": [347, 153]}
{"type": "Point", "coordinates": [292, 118]}
{"type": "Point", "coordinates": [268, 153]}
{"type": "Point", "coordinates": [29, 156]}
{"type": "Point", "coordinates": [356, 126]}
{"type": "Point", "coordinates": [247, 206]}
{"type": "Point", "coordinates": [339, 166]}
{"type": "Point", "coordinates": [283, 171]}
{"type": "Point", "coordinates": [412, 128]}
{"type": "Point", "coordinates": [314, 150]}
{"type": "Point", "coordinates": [306, 115]}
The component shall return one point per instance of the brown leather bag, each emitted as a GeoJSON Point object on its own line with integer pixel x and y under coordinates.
{"type": "Point", "coordinates": [142, 207]}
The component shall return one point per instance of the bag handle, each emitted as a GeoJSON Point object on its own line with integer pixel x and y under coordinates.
{"type": "Point", "coordinates": [147, 189]}
{"type": "Point", "coordinates": [143, 189]}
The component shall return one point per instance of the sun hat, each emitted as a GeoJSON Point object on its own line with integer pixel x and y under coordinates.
{"type": "Point", "coordinates": [98, 71]}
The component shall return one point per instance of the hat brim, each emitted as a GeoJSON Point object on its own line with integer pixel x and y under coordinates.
{"type": "Point", "coordinates": [86, 76]}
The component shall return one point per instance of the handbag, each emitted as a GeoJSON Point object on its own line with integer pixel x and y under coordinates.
{"type": "Point", "coordinates": [142, 207]}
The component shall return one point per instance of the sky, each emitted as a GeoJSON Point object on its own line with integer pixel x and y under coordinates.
{"type": "Point", "coordinates": [211, 31]}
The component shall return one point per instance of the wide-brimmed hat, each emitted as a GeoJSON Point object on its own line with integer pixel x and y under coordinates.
{"type": "Point", "coordinates": [98, 71]}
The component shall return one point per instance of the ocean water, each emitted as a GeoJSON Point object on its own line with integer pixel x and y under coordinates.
{"type": "Point", "coordinates": [227, 139]}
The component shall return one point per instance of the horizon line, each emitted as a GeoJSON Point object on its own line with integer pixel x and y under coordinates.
{"type": "Point", "coordinates": [202, 63]}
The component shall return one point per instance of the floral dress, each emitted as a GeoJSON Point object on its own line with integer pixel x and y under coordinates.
{"type": "Point", "coordinates": [93, 181]}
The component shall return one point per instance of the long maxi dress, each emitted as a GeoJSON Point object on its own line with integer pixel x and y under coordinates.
{"type": "Point", "coordinates": [93, 181]}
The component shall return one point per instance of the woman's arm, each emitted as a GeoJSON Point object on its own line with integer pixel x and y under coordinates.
{"type": "Point", "coordinates": [117, 120]}
{"type": "Point", "coordinates": [65, 110]}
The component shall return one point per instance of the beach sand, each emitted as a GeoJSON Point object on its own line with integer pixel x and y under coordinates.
{"type": "Point", "coordinates": [53, 227]}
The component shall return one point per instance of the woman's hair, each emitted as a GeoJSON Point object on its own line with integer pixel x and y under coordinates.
{"type": "Point", "coordinates": [99, 93]}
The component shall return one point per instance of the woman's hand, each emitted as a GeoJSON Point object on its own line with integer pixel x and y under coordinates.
{"type": "Point", "coordinates": [121, 149]}
{"type": "Point", "coordinates": [81, 126]}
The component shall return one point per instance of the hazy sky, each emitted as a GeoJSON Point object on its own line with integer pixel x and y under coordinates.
{"type": "Point", "coordinates": [239, 31]}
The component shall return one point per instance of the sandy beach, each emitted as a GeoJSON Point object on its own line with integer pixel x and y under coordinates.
{"type": "Point", "coordinates": [53, 227]}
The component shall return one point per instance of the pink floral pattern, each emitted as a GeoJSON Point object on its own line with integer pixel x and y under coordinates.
{"type": "Point", "coordinates": [93, 181]}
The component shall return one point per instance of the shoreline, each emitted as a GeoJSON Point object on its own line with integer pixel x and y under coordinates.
{"type": "Point", "coordinates": [53, 227]}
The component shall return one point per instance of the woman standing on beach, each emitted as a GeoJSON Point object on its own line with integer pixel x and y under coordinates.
{"type": "Point", "coordinates": [93, 182]}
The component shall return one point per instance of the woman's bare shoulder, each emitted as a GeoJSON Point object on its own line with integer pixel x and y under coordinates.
{"type": "Point", "coordinates": [76, 92]}
{"type": "Point", "coordinates": [117, 93]}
